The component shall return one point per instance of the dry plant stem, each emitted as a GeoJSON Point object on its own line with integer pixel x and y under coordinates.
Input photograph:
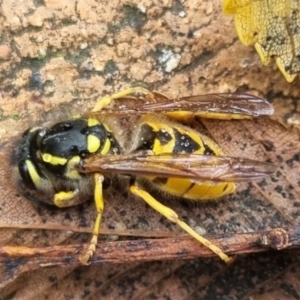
{"type": "Point", "coordinates": [152, 249]}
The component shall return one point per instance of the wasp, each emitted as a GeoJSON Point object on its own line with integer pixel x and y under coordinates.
{"type": "Point", "coordinates": [70, 161]}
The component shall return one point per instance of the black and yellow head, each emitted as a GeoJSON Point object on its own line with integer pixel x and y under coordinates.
{"type": "Point", "coordinates": [47, 157]}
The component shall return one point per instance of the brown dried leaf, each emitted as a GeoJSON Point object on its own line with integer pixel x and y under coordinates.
{"type": "Point", "coordinates": [264, 205]}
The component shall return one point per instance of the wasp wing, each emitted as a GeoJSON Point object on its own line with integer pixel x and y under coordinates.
{"type": "Point", "coordinates": [193, 166]}
{"type": "Point", "coordinates": [208, 105]}
{"type": "Point", "coordinates": [214, 103]}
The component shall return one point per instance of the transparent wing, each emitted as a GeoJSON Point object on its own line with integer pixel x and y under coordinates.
{"type": "Point", "coordinates": [210, 104]}
{"type": "Point", "coordinates": [192, 166]}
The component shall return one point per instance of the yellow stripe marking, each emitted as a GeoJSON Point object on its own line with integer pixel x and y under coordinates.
{"type": "Point", "coordinates": [176, 186]}
{"type": "Point", "coordinates": [71, 171]}
{"type": "Point", "coordinates": [33, 173]}
{"type": "Point", "coordinates": [63, 199]}
{"type": "Point", "coordinates": [93, 143]}
{"type": "Point", "coordinates": [207, 190]}
{"type": "Point", "coordinates": [167, 148]}
{"type": "Point", "coordinates": [53, 160]}
{"type": "Point", "coordinates": [158, 148]}
{"type": "Point", "coordinates": [34, 129]}
{"type": "Point", "coordinates": [106, 127]}
{"type": "Point", "coordinates": [184, 187]}
{"type": "Point", "coordinates": [106, 147]}
{"type": "Point", "coordinates": [92, 122]}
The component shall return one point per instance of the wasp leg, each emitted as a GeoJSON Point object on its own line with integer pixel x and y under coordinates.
{"type": "Point", "coordinates": [99, 203]}
{"type": "Point", "coordinates": [105, 101]}
{"type": "Point", "coordinates": [172, 216]}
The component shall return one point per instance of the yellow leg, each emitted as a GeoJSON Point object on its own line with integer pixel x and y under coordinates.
{"type": "Point", "coordinates": [172, 216]}
{"type": "Point", "coordinates": [99, 203]}
{"type": "Point", "coordinates": [103, 102]}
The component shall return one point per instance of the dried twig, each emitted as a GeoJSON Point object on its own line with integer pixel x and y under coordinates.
{"type": "Point", "coordinates": [150, 249]}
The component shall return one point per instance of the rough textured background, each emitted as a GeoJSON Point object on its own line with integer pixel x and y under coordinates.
{"type": "Point", "coordinates": [59, 56]}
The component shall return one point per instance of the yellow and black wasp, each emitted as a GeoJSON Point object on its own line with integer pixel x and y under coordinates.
{"type": "Point", "coordinates": [69, 161]}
